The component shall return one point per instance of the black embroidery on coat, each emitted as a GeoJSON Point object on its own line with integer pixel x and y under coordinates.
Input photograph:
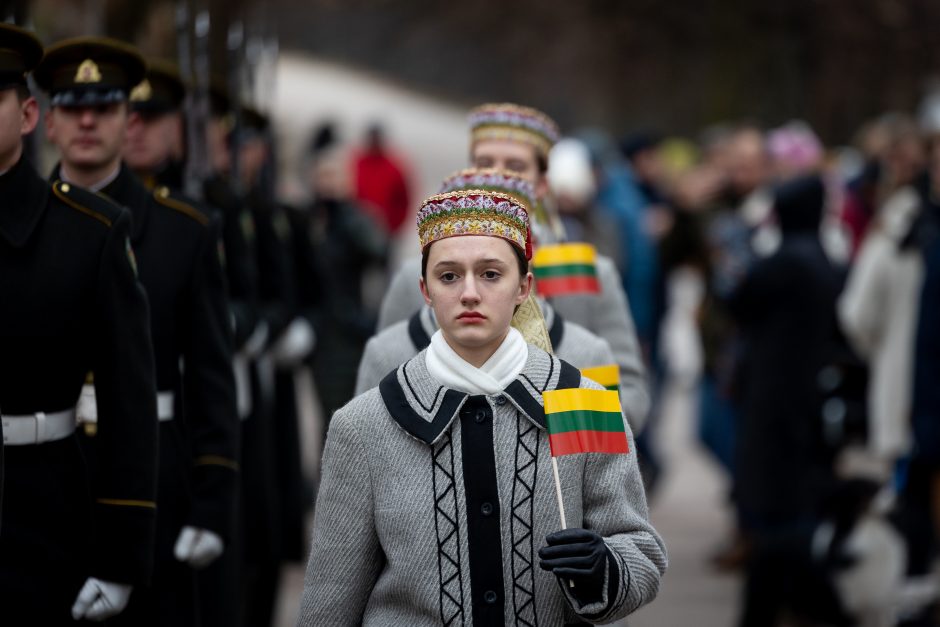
{"type": "Point", "coordinates": [520, 523]}
{"type": "Point", "coordinates": [446, 516]}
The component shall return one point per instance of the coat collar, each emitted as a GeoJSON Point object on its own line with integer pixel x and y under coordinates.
{"type": "Point", "coordinates": [24, 201]}
{"type": "Point", "coordinates": [426, 409]}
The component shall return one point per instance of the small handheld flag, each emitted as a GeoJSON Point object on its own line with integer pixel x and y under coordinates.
{"type": "Point", "coordinates": [583, 421]}
{"type": "Point", "coordinates": [562, 269]}
{"type": "Point", "coordinates": [608, 376]}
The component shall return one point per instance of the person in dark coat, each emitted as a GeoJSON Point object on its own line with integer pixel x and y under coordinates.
{"type": "Point", "coordinates": [343, 236]}
{"type": "Point", "coordinates": [785, 307]}
{"type": "Point", "coordinates": [72, 548]}
{"type": "Point", "coordinates": [177, 250]}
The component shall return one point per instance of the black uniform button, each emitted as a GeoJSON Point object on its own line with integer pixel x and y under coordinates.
{"type": "Point", "coordinates": [486, 509]}
{"type": "Point", "coordinates": [500, 400]}
{"type": "Point", "coordinates": [480, 416]}
{"type": "Point", "coordinates": [490, 597]}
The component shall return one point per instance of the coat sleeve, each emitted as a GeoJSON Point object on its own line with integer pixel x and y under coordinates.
{"type": "Point", "coordinates": [345, 555]}
{"type": "Point", "coordinates": [614, 323]}
{"type": "Point", "coordinates": [126, 442]}
{"type": "Point", "coordinates": [209, 392]}
{"type": "Point", "coordinates": [614, 506]}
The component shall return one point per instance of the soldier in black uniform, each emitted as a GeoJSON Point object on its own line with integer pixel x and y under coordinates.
{"type": "Point", "coordinates": [177, 250]}
{"type": "Point", "coordinates": [291, 341]}
{"type": "Point", "coordinates": [155, 148]}
{"type": "Point", "coordinates": [70, 548]}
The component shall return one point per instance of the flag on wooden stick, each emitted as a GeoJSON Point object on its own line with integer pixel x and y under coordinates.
{"type": "Point", "coordinates": [584, 421]}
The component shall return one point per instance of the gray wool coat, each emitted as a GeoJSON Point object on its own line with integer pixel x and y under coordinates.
{"type": "Point", "coordinates": [403, 340]}
{"type": "Point", "coordinates": [606, 315]}
{"type": "Point", "coordinates": [433, 505]}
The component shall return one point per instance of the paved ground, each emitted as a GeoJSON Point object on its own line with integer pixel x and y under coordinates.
{"type": "Point", "coordinates": [688, 511]}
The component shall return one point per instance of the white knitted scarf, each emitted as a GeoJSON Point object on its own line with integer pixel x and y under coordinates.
{"type": "Point", "coordinates": [501, 369]}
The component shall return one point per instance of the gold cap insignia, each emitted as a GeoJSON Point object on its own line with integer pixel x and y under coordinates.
{"type": "Point", "coordinates": [143, 92]}
{"type": "Point", "coordinates": [88, 72]}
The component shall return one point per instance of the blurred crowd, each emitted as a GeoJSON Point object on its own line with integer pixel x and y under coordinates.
{"type": "Point", "coordinates": [792, 286]}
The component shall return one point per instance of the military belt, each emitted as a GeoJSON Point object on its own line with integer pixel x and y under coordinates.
{"type": "Point", "coordinates": [88, 407]}
{"type": "Point", "coordinates": [38, 427]}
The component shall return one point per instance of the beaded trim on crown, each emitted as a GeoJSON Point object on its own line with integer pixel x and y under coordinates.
{"type": "Point", "coordinates": [492, 180]}
{"type": "Point", "coordinates": [515, 123]}
{"type": "Point", "coordinates": [474, 212]}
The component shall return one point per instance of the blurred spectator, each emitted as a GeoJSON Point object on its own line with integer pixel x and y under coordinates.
{"type": "Point", "coordinates": [381, 182]}
{"type": "Point", "coordinates": [925, 410]}
{"type": "Point", "coordinates": [795, 150]}
{"type": "Point", "coordinates": [786, 312]}
{"type": "Point", "coordinates": [571, 180]}
{"type": "Point", "coordinates": [343, 236]}
{"type": "Point", "coordinates": [727, 238]}
{"type": "Point", "coordinates": [619, 195]}
{"type": "Point", "coordinates": [878, 314]}
{"type": "Point", "coordinates": [893, 154]}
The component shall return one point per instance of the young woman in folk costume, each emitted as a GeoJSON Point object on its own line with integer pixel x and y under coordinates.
{"type": "Point", "coordinates": [437, 496]}
{"type": "Point", "coordinates": [396, 344]}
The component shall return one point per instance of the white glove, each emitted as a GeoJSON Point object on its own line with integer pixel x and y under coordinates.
{"type": "Point", "coordinates": [294, 343]}
{"type": "Point", "coordinates": [198, 547]}
{"type": "Point", "coordinates": [99, 600]}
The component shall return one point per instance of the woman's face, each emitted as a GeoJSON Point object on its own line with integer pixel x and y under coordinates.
{"type": "Point", "coordinates": [473, 285]}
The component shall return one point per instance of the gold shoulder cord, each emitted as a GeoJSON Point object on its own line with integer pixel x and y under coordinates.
{"type": "Point", "coordinates": [162, 194]}
{"type": "Point", "coordinates": [61, 189]}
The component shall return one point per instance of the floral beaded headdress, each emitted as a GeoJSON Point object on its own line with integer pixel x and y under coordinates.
{"type": "Point", "coordinates": [516, 123]}
{"type": "Point", "coordinates": [474, 212]}
{"type": "Point", "coordinates": [493, 180]}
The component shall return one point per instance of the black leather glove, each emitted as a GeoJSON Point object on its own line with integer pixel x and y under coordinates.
{"type": "Point", "coordinates": [579, 556]}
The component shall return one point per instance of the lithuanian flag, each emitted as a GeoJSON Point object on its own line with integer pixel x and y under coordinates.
{"type": "Point", "coordinates": [565, 269]}
{"type": "Point", "coordinates": [608, 376]}
{"type": "Point", "coordinates": [584, 421]}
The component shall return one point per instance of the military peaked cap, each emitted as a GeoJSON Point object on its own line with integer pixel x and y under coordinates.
{"type": "Point", "coordinates": [20, 51]}
{"type": "Point", "coordinates": [88, 71]}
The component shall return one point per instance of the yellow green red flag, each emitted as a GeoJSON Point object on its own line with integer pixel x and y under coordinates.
{"type": "Point", "coordinates": [584, 421]}
{"type": "Point", "coordinates": [565, 269]}
{"type": "Point", "coordinates": [608, 376]}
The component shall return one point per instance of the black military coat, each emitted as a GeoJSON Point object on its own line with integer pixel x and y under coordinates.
{"type": "Point", "coordinates": [238, 236]}
{"type": "Point", "coordinates": [71, 303]}
{"type": "Point", "coordinates": [178, 254]}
